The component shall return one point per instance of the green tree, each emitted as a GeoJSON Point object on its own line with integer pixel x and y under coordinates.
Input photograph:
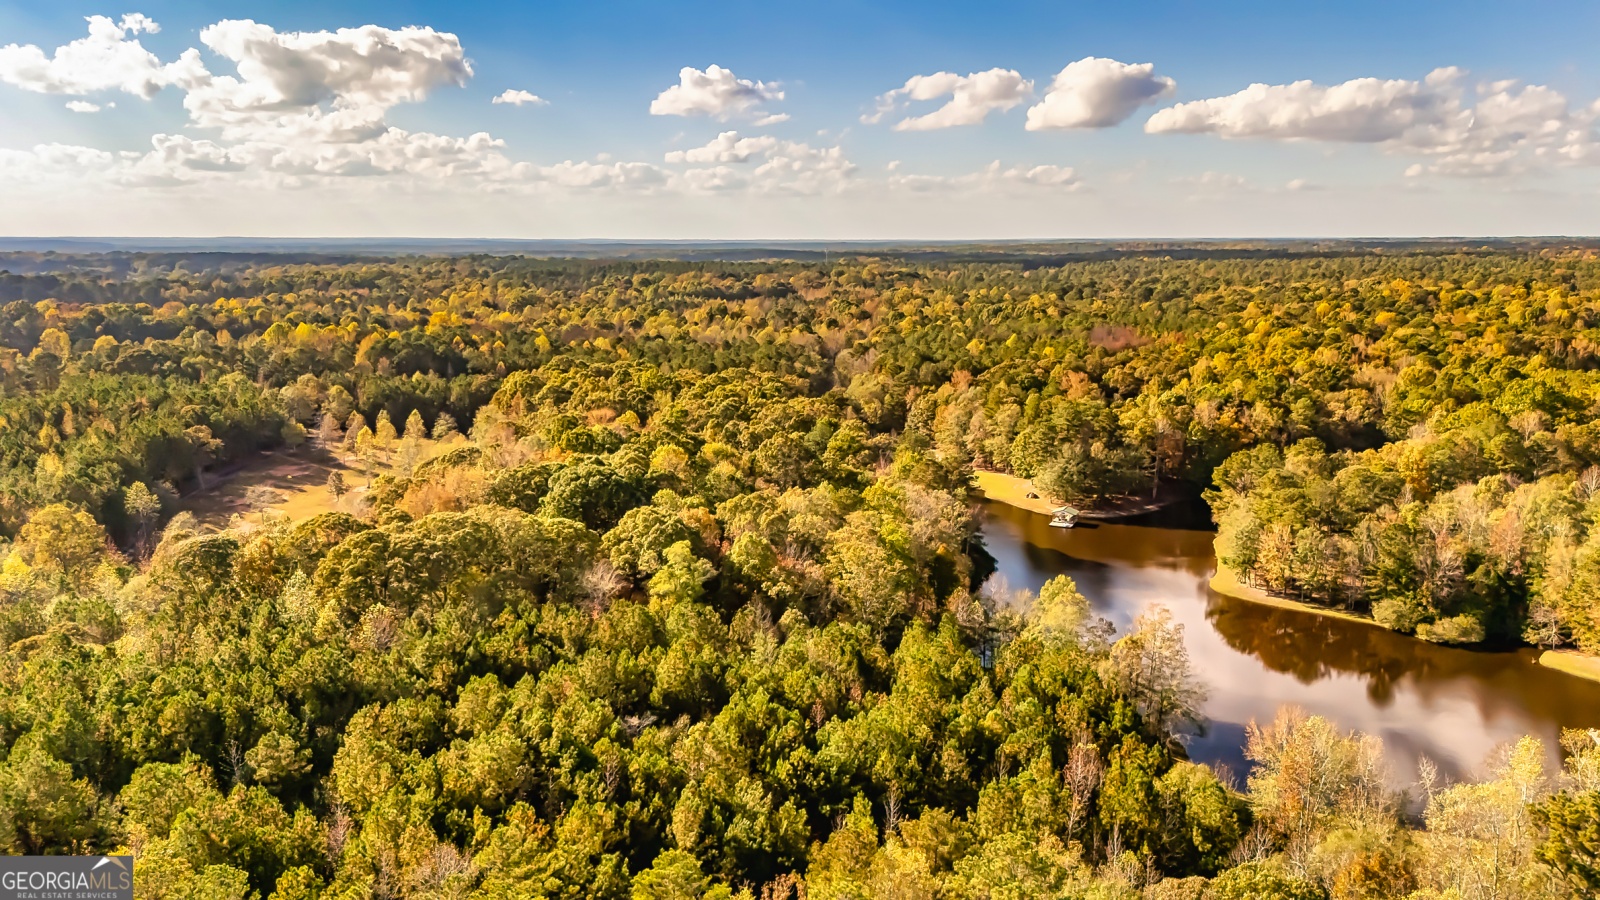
{"type": "Point", "coordinates": [383, 434]}
{"type": "Point", "coordinates": [1261, 881]}
{"type": "Point", "coordinates": [144, 510]}
{"type": "Point", "coordinates": [62, 543]}
{"type": "Point", "coordinates": [593, 492]}
{"type": "Point", "coordinates": [1151, 664]}
{"type": "Point", "coordinates": [1570, 824]}
{"type": "Point", "coordinates": [45, 808]}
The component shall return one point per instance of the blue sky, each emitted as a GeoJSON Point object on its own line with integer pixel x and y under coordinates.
{"type": "Point", "coordinates": [294, 127]}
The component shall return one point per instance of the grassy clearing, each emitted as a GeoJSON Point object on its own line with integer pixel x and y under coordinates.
{"type": "Point", "coordinates": [1013, 491]}
{"type": "Point", "coordinates": [298, 480]}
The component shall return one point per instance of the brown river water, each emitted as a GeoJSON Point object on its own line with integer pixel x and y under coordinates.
{"type": "Point", "coordinates": [1455, 706]}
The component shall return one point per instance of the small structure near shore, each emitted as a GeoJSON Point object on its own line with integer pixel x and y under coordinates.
{"type": "Point", "coordinates": [1021, 493]}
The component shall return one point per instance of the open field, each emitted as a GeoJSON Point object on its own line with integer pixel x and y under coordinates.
{"type": "Point", "coordinates": [298, 480]}
{"type": "Point", "coordinates": [1012, 490]}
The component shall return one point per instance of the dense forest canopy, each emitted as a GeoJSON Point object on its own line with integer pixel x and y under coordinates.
{"type": "Point", "coordinates": [686, 598]}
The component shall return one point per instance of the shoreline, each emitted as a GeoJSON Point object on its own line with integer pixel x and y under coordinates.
{"type": "Point", "coordinates": [1013, 491]}
{"type": "Point", "coordinates": [1228, 584]}
{"type": "Point", "coordinates": [1578, 665]}
{"type": "Point", "coordinates": [1570, 662]}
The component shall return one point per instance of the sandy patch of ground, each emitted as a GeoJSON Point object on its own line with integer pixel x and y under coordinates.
{"type": "Point", "coordinates": [1572, 662]}
{"type": "Point", "coordinates": [1228, 584]}
{"type": "Point", "coordinates": [298, 485]}
{"type": "Point", "coordinates": [1012, 490]}
{"type": "Point", "coordinates": [298, 482]}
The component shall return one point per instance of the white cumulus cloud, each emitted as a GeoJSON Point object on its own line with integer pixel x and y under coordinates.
{"type": "Point", "coordinates": [972, 98]}
{"type": "Point", "coordinates": [519, 98]}
{"type": "Point", "coordinates": [296, 109]}
{"type": "Point", "coordinates": [83, 106]}
{"type": "Point", "coordinates": [779, 166]}
{"type": "Point", "coordinates": [1046, 175]}
{"type": "Point", "coordinates": [795, 168]}
{"type": "Point", "coordinates": [1098, 93]}
{"type": "Point", "coordinates": [602, 174]}
{"type": "Point", "coordinates": [726, 147]}
{"type": "Point", "coordinates": [296, 105]}
{"type": "Point", "coordinates": [52, 161]}
{"type": "Point", "coordinates": [714, 179]}
{"type": "Point", "coordinates": [334, 86]}
{"type": "Point", "coordinates": [1508, 129]}
{"type": "Point", "coordinates": [715, 92]}
{"type": "Point", "coordinates": [109, 58]}
{"type": "Point", "coordinates": [1497, 128]}
{"type": "Point", "coordinates": [1366, 110]}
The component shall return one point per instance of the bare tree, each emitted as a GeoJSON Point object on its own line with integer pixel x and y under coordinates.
{"type": "Point", "coordinates": [1081, 775]}
{"type": "Point", "coordinates": [234, 762]}
{"type": "Point", "coordinates": [259, 498]}
{"type": "Point", "coordinates": [601, 583]}
{"type": "Point", "coordinates": [339, 827]}
{"type": "Point", "coordinates": [329, 436]}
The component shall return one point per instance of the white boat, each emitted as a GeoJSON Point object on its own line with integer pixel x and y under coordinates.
{"type": "Point", "coordinates": [1063, 517]}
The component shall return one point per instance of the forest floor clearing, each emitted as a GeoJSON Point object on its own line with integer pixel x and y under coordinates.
{"type": "Point", "coordinates": [298, 479]}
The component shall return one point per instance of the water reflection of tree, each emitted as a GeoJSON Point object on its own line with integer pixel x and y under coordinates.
{"type": "Point", "coordinates": [1310, 647]}
{"type": "Point", "coordinates": [1103, 542]}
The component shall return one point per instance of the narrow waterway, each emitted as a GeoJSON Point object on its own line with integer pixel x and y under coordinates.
{"type": "Point", "coordinates": [1453, 705]}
